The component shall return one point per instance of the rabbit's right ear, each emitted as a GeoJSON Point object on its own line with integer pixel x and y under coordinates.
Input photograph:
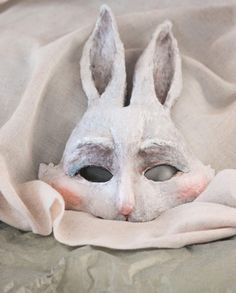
{"type": "Point", "coordinates": [102, 65]}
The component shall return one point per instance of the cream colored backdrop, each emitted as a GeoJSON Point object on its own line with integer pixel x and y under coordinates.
{"type": "Point", "coordinates": [41, 100]}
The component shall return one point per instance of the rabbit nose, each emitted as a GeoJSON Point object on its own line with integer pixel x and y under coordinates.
{"type": "Point", "coordinates": [126, 209]}
{"type": "Point", "coordinates": [125, 194]}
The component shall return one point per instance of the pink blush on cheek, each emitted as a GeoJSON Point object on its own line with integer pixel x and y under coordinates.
{"type": "Point", "coordinates": [72, 199]}
{"type": "Point", "coordinates": [191, 187]}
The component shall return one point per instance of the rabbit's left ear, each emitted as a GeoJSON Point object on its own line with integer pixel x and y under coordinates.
{"type": "Point", "coordinates": [102, 65]}
{"type": "Point", "coordinates": [158, 74]}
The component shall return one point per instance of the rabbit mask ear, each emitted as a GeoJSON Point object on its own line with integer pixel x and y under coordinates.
{"type": "Point", "coordinates": [102, 65]}
{"type": "Point", "coordinates": [158, 75]}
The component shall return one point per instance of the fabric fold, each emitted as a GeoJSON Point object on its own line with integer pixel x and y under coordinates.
{"type": "Point", "coordinates": [41, 99]}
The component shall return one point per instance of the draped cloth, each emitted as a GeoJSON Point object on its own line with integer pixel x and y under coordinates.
{"type": "Point", "coordinates": [41, 100]}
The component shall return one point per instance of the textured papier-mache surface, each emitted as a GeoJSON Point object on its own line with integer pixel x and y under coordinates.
{"type": "Point", "coordinates": [42, 99]}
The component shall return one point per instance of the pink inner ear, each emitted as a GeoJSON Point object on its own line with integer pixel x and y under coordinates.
{"type": "Point", "coordinates": [72, 199]}
{"type": "Point", "coordinates": [163, 65]}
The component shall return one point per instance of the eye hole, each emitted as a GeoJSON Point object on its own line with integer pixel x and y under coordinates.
{"type": "Point", "coordinates": [160, 173]}
{"type": "Point", "coordinates": [95, 174]}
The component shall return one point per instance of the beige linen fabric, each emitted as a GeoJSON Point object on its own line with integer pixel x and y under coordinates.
{"type": "Point", "coordinates": [41, 100]}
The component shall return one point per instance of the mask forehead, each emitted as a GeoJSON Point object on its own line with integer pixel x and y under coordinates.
{"type": "Point", "coordinates": [125, 129]}
{"type": "Point", "coordinates": [118, 127]}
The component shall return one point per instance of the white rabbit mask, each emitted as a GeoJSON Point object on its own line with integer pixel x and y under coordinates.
{"type": "Point", "coordinates": [128, 163]}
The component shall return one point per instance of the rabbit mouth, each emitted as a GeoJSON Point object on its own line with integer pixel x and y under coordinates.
{"type": "Point", "coordinates": [130, 219]}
